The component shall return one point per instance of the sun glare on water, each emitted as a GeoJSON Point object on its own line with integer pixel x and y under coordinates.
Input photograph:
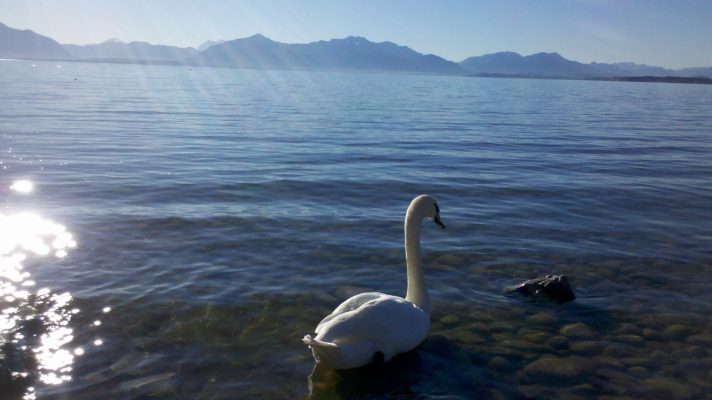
{"type": "Point", "coordinates": [34, 322]}
{"type": "Point", "coordinates": [23, 186]}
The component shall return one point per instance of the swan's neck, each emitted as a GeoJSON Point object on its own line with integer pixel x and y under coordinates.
{"type": "Point", "coordinates": [417, 292]}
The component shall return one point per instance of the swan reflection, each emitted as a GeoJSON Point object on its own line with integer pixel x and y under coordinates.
{"type": "Point", "coordinates": [34, 324]}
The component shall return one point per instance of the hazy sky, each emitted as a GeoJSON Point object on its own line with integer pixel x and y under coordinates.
{"type": "Point", "coordinates": [658, 32]}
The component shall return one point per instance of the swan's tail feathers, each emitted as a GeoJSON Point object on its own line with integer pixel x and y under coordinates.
{"type": "Point", "coordinates": [322, 351]}
{"type": "Point", "coordinates": [313, 343]}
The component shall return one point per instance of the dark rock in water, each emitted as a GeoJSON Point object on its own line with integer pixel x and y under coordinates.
{"type": "Point", "coordinates": [553, 288]}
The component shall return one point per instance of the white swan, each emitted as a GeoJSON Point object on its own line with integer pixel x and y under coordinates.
{"type": "Point", "coordinates": [371, 323]}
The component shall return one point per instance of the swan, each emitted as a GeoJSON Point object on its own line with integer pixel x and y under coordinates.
{"type": "Point", "coordinates": [367, 324]}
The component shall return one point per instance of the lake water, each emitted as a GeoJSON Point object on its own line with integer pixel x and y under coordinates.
{"type": "Point", "coordinates": [168, 232]}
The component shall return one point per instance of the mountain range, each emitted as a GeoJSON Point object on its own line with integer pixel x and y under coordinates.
{"type": "Point", "coordinates": [553, 65]}
{"type": "Point", "coordinates": [15, 43]}
{"type": "Point", "coordinates": [114, 49]}
{"type": "Point", "coordinates": [209, 43]}
{"type": "Point", "coordinates": [351, 53]}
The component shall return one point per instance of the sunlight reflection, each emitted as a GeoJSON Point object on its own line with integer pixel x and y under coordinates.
{"type": "Point", "coordinates": [28, 231]}
{"type": "Point", "coordinates": [36, 324]}
{"type": "Point", "coordinates": [30, 394]}
{"type": "Point", "coordinates": [23, 186]}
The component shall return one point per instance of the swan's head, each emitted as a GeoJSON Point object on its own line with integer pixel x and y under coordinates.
{"type": "Point", "coordinates": [425, 206]}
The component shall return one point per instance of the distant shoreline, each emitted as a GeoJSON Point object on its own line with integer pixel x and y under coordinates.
{"type": "Point", "coordinates": [642, 79]}
{"type": "Point", "coordinates": [661, 79]}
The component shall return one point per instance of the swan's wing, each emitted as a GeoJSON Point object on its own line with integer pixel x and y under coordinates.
{"type": "Point", "coordinates": [349, 305]}
{"type": "Point", "coordinates": [391, 324]}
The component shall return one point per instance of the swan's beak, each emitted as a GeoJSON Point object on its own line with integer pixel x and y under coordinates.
{"type": "Point", "coordinates": [438, 222]}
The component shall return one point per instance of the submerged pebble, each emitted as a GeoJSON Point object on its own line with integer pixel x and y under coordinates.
{"type": "Point", "coordinates": [651, 334]}
{"type": "Point", "coordinates": [666, 387]}
{"type": "Point", "coordinates": [558, 368]}
{"type": "Point", "coordinates": [450, 319]}
{"type": "Point", "coordinates": [584, 389]}
{"type": "Point", "coordinates": [612, 374]}
{"type": "Point", "coordinates": [676, 332]}
{"type": "Point", "coordinates": [689, 352]}
{"type": "Point", "coordinates": [558, 342]}
{"type": "Point", "coordinates": [634, 340]}
{"type": "Point", "coordinates": [502, 326]}
{"type": "Point", "coordinates": [606, 362]}
{"type": "Point", "coordinates": [639, 361]}
{"type": "Point", "coordinates": [638, 371]}
{"type": "Point", "coordinates": [578, 330]}
{"type": "Point", "coordinates": [498, 362]}
{"type": "Point", "coordinates": [702, 339]}
{"type": "Point", "coordinates": [532, 335]}
{"type": "Point", "coordinates": [627, 328]}
{"type": "Point", "coordinates": [586, 347]}
{"type": "Point", "coordinates": [619, 350]}
{"type": "Point", "coordinates": [479, 327]}
{"type": "Point", "coordinates": [541, 319]}
{"type": "Point", "coordinates": [468, 338]}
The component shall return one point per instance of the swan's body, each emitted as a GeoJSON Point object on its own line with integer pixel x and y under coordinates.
{"type": "Point", "coordinates": [371, 323]}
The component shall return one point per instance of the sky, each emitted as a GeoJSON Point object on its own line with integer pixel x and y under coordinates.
{"type": "Point", "coordinates": [672, 34]}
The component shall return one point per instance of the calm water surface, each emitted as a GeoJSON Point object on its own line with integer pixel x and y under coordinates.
{"type": "Point", "coordinates": [168, 232]}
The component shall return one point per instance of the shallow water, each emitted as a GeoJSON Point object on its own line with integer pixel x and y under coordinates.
{"type": "Point", "coordinates": [188, 226]}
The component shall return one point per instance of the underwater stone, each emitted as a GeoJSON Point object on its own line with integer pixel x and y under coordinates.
{"type": "Point", "coordinates": [585, 389]}
{"type": "Point", "coordinates": [690, 351]}
{"type": "Point", "coordinates": [541, 319]}
{"type": "Point", "coordinates": [450, 319]}
{"type": "Point", "coordinates": [558, 368]}
{"type": "Point", "coordinates": [522, 345]}
{"type": "Point", "coordinates": [604, 361]}
{"type": "Point", "coordinates": [553, 288]}
{"type": "Point", "coordinates": [495, 394]}
{"type": "Point", "coordinates": [627, 328]}
{"type": "Point", "coordinates": [586, 347]}
{"type": "Point", "coordinates": [498, 362]}
{"type": "Point", "coordinates": [502, 326]}
{"type": "Point", "coordinates": [663, 387]}
{"type": "Point", "coordinates": [468, 338]}
{"type": "Point", "coordinates": [638, 371]}
{"type": "Point", "coordinates": [613, 374]}
{"type": "Point", "coordinates": [577, 330]}
{"type": "Point", "coordinates": [631, 339]}
{"type": "Point", "coordinates": [696, 365]}
{"type": "Point", "coordinates": [702, 339]}
{"type": "Point", "coordinates": [619, 350]}
{"type": "Point", "coordinates": [558, 342]}
{"type": "Point", "coordinates": [651, 334]}
{"type": "Point", "coordinates": [660, 356]}
{"type": "Point", "coordinates": [533, 335]}
{"type": "Point", "coordinates": [676, 332]}
{"type": "Point", "coordinates": [638, 362]}
{"type": "Point", "coordinates": [535, 391]}
{"type": "Point", "coordinates": [479, 327]}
